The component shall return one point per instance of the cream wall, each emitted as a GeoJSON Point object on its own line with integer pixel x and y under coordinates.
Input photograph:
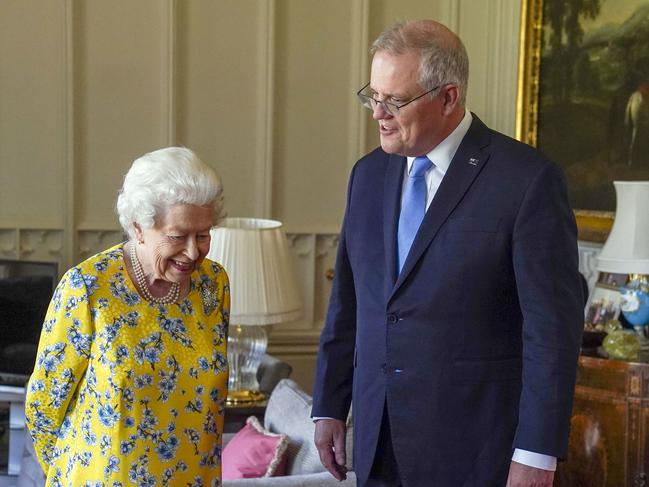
{"type": "Point", "coordinates": [262, 89]}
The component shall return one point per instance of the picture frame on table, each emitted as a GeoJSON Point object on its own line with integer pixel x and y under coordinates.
{"type": "Point", "coordinates": [604, 300]}
{"type": "Point", "coordinates": [583, 97]}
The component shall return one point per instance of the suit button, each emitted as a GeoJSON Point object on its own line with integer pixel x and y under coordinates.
{"type": "Point", "coordinates": [388, 369]}
{"type": "Point", "coordinates": [393, 319]}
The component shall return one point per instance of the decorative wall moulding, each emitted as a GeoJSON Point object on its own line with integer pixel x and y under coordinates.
{"type": "Point", "coordinates": [41, 244]}
{"type": "Point", "coordinates": [326, 245]}
{"type": "Point", "coordinates": [90, 242]}
{"type": "Point", "coordinates": [301, 245]}
{"type": "Point", "coordinates": [9, 243]}
{"type": "Point", "coordinates": [302, 343]}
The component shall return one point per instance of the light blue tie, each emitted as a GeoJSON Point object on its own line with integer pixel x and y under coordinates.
{"type": "Point", "coordinates": [413, 207]}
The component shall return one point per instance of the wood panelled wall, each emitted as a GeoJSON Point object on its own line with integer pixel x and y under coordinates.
{"type": "Point", "coordinates": [263, 90]}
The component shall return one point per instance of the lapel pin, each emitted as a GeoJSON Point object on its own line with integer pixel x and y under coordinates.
{"type": "Point", "coordinates": [473, 161]}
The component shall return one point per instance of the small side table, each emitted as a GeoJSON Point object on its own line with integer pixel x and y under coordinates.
{"type": "Point", "coordinates": [235, 416]}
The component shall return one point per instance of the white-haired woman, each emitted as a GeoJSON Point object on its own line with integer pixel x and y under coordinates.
{"type": "Point", "coordinates": [131, 374]}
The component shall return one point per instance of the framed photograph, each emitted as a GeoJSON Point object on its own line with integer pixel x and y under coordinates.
{"type": "Point", "coordinates": [604, 301]}
{"type": "Point", "coordinates": [583, 97]}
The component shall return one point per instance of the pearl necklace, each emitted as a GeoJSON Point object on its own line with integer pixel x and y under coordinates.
{"type": "Point", "coordinates": [170, 297]}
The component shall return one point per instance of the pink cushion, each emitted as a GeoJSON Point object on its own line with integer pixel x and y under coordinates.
{"type": "Point", "coordinates": [254, 452]}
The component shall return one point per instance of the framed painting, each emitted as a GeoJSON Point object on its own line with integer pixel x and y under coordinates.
{"type": "Point", "coordinates": [604, 301]}
{"type": "Point", "coordinates": [583, 97]}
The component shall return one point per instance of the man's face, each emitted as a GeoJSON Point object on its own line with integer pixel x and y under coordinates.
{"type": "Point", "coordinates": [417, 128]}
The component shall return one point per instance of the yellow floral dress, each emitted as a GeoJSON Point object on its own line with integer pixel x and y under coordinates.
{"type": "Point", "coordinates": [125, 392]}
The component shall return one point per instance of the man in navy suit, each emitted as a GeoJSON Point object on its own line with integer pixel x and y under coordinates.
{"type": "Point", "coordinates": [456, 311]}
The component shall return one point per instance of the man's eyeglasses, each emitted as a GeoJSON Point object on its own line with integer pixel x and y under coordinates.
{"type": "Point", "coordinates": [368, 101]}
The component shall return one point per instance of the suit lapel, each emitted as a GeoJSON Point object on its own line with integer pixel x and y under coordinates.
{"type": "Point", "coordinates": [391, 207]}
{"type": "Point", "coordinates": [465, 166]}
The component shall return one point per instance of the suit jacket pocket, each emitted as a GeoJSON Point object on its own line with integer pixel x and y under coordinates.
{"type": "Point", "coordinates": [473, 224]}
{"type": "Point", "coordinates": [471, 371]}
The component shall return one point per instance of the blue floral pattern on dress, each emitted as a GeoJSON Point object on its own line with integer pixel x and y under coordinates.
{"type": "Point", "coordinates": [125, 392]}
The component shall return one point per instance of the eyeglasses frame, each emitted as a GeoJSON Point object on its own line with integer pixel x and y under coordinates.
{"type": "Point", "coordinates": [366, 100]}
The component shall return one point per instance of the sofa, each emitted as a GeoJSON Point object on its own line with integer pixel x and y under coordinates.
{"type": "Point", "coordinates": [289, 412]}
{"type": "Point", "coordinates": [271, 371]}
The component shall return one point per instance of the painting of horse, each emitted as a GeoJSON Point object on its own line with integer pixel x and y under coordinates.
{"type": "Point", "coordinates": [593, 104]}
{"type": "Point", "coordinates": [637, 125]}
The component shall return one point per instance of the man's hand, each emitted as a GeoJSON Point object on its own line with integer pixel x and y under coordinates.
{"type": "Point", "coordinates": [524, 476]}
{"type": "Point", "coordinates": [330, 441]}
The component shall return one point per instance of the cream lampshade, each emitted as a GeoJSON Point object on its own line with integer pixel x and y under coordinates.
{"type": "Point", "coordinates": [263, 291]}
{"type": "Point", "coordinates": [626, 250]}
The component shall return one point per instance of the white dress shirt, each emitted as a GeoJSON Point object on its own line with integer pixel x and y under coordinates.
{"type": "Point", "coordinates": [441, 157]}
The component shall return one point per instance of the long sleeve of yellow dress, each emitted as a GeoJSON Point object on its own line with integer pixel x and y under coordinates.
{"type": "Point", "coordinates": [62, 358]}
{"type": "Point", "coordinates": [126, 392]}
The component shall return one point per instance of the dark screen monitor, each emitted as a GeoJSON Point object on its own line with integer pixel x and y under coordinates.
{"type": "Point", "coordinates": [26, 288]}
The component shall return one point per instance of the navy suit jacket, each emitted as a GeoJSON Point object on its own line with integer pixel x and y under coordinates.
{"type": "Point", "coordinates": [473, 346]}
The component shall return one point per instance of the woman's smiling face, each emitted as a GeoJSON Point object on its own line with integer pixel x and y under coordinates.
{"type": "Point", "coordinates": [177, 244]}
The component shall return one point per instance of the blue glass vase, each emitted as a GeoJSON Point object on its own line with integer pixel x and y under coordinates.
{"type": "Point", "coordinates": [635, 305]}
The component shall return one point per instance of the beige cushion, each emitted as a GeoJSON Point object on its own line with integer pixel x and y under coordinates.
{"type": "Point", "coordinates": [289, 412]}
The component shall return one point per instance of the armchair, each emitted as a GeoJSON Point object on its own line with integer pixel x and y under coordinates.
{"type": "Point", "coordinates": [271, 371]}
{"type": "Point", "coordinates": [289, 412]}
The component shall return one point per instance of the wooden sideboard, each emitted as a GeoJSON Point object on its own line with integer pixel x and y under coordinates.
{"type": "Point", "coordinates": [609, 426]}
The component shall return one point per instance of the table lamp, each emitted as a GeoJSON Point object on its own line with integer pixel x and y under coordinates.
{"type": "Point", "coordinates": [263, 291]}
{"type": "Point", "coordinates": [626, 251]}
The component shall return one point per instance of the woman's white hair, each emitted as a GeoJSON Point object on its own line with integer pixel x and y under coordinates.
{"type": "Point", "coordinates": [164, 178]}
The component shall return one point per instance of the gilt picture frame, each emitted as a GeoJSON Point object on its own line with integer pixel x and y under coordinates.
{"type": "Point", "coordinates": [582, 63]}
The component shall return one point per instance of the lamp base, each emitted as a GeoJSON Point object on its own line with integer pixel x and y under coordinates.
{"type": "Point", "coordinates": [244, 398]}
{"type": "Point", "coordinates": [246, 347]}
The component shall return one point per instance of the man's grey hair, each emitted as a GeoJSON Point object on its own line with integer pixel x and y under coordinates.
{"type": "Point", "coordinates": [443, 57]}
{"type": "Point", "coordinates": [164, 178]}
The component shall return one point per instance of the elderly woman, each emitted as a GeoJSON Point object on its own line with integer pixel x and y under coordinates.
{"type": "Point", "coordinates": [131, 374]}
